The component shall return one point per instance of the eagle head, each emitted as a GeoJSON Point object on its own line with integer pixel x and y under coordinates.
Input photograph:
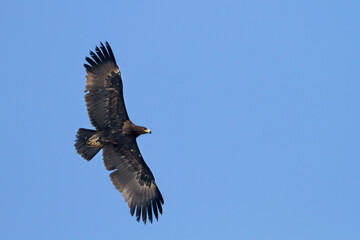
{"type": "Point", "coordinates": [146, 130]}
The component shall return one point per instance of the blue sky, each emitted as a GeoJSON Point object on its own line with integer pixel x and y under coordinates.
{"type": "Point", "coordinates": [253, 105]}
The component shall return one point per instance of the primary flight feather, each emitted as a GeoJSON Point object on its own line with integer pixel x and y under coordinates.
{"type": "Point", "coordinates": [116, 135]}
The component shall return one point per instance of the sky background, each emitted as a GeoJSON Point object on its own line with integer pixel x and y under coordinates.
{"type": "Point", "coordinates": [253, 105]}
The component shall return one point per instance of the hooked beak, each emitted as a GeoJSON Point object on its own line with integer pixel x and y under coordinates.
{"type": "Point", "coordinates": [147, 131]}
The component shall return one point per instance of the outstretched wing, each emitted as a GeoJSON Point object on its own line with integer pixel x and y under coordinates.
{"type": "Point", "coordinates": [104, 100]}
{"type": "Point", "coordinates": [133, 179]}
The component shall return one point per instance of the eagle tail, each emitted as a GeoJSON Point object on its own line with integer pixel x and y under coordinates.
{"type": "Point", "coordinates": [82, 146]}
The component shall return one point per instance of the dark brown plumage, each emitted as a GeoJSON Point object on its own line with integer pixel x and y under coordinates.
{"type": "Point", "coordinates": [116, 135]}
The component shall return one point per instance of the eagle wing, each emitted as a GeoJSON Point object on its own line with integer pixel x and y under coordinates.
{"type": "Point", "coordinates": [104, 100]}
{"type": "Point", "coordinates": [134, 179]}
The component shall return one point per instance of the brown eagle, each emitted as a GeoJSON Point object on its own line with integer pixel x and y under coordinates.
{"type": "Point", "coordinates": [116, 135]}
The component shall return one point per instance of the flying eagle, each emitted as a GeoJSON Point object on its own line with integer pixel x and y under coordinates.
{"type": "Point", "coordinates": [116, 135]}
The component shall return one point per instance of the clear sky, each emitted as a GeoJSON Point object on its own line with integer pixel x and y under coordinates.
{"type": "Point", "coordinates": [253, 105]}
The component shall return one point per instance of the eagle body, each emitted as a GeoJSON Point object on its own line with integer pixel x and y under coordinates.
{"type": "Point", "coordinates": [116, 135]}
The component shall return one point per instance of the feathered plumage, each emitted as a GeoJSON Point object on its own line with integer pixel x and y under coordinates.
{"type": "Point", "coordinates": [116, 135]}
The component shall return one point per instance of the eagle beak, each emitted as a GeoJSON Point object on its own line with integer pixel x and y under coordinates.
{"type": "Point", "coordinates": [147, 131]}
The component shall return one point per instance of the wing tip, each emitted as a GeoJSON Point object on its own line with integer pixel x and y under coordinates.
{"type": "Point", "coordinates": [103, 54]}
{"type": "Point", "coordinates": [147, 212]}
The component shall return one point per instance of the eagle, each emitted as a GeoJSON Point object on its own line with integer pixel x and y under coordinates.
{"type": "Point", "coordinates": [116, 135]}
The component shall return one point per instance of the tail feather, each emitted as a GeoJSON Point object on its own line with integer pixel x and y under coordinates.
{"type": "Point", "coordinates": [82, 148]}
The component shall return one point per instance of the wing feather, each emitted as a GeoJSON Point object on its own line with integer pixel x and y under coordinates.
{"type": "Point", "coordinates": [133, 179]}
{"type": "Point", "coordinates": [104, 100]}
{"type": "Point", "coordinates": [144, 212]}
{"type": "Point", "coordinates": [110, 52]}
{"type": "Point", "coordinates": [100, 54]}
{"type": "Point", "coordinates": [104, 51]}
{"type": "Point", "coordinates": [155, 209]}
{"type": "Point", "coordinates": [149, 211]}
{"type": "Point", "coordinates": [138, 211]}
{"type": "Point", "coordinates": [90, 61]}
